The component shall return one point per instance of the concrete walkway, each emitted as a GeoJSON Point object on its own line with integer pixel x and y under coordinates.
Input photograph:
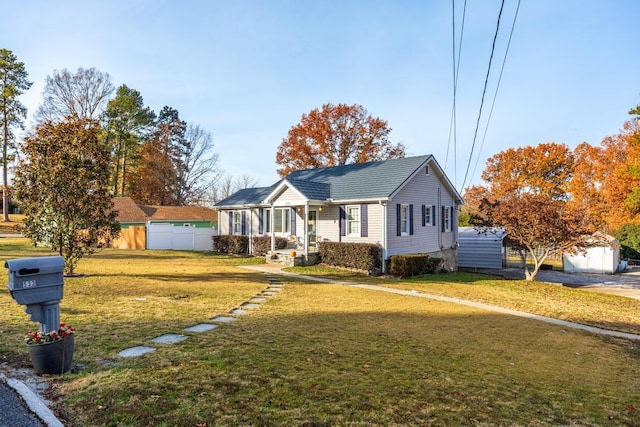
{"type": "Point", "coordinates": [275, 269]}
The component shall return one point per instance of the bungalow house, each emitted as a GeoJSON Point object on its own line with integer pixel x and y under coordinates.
{"type": "Point", "coordinates": [163, 227]}
{"type": "Point", "coordinates": [406, 205]}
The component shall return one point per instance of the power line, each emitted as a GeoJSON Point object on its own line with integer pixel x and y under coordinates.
{"type": "Point", "coordinates": [486, 82]}
{"type": "Point", "coordinates": [495, 95]}
{"type": "Point", "coordinates": [456, 71]}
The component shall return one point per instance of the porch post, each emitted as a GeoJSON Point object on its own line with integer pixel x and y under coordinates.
{"type": "Point", "coordinates": [271, 228]}
{"type": "Point", "coordinates": [306, 229]}
{"type": "Point", "coordinates": [250, 231]}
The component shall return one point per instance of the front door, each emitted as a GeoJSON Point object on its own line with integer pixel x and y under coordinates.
{"type": "Point", "coordinates": [311, 231]}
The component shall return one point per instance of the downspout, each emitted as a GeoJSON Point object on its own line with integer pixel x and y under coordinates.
{"type": "Point", "coordinates": [440, 230]}
{"type": "Point", "coordinates": [250, 231]}
{"type": "Point", "coordinates": [306, 229]}
{"type": "Point", "coordinates": [384, 235]}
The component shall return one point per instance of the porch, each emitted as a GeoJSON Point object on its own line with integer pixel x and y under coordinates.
{"type": "Point", "coordinates": [287, 257]}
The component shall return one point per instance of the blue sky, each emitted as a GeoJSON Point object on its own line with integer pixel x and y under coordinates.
{"type": "Point", "coordinates": [246, 71]}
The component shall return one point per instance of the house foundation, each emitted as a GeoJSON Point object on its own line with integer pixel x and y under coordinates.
{"type": "Point", "coordinates": [449, 257]}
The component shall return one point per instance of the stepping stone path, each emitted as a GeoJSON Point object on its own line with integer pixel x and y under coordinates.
{"type": "Point", "coordinates": [274, 287]}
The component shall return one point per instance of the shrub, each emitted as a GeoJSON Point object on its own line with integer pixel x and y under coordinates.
{"type": "Point", "coordinates": [262, 244]}
{"type": "Point", "coordinates": [231, 245]}
{"type": "Point", "coordinates": [413, 265]}
{"type": "Point", "coordinates": [629, 237]}
{"type": "Point", "coordinates": [361, 256]}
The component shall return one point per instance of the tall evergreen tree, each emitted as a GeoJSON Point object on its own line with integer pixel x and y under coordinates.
{"type": "Point", "coordinates": [13, 83]}
{"type": "Point", "coordinates": [127, 123]}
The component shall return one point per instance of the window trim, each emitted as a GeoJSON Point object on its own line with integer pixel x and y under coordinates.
{"type": "Point", "coordinates": [266, 221]}
{"type": "Point", "coordinates": [428, 219]}
{"type": "Point", "coordinates": [404, 209]}
{"type": "Point", "coordinates": [285, 220]}
{"type": "Point", "coordinates": [447, 220]}
{"type": "Point", "coordinates": [356, 223]}
{"type": "Point", "coordinates": [236, 222]}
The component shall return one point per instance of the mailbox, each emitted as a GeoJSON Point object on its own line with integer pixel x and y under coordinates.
{"type": "Point", "coordinates": [36, 280]}
{"type": "Point", "coordinates": [37, 283]}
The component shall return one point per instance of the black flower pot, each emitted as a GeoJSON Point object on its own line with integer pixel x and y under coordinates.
{"type": "Point", "coordinates": [54, 357]}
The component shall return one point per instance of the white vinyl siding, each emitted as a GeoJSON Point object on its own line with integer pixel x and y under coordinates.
{"type": "Point", "coordinates": [328, 225]}
{"type": "Point", "coordinates": [422, 190]}
{"type": "Point", "coordinates": [289, 197]}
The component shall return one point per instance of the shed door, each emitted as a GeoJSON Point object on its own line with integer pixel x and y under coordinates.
{"type": "Point", "coordinates": [167, 236]}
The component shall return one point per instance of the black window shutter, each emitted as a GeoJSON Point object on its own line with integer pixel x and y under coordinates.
{"type": "Point", "coordinates": [410, 219]}
{"type": "Point", "coordinates": [260, 220]}
{"type": "Point", "coordinates": [364, 221]}
{"type": "Point", "coordinates": [230, 222]}
{"type": "Point", "coordinates": [293, 221]}
{"type": "Point", "coordinates": [442, 209]}
{"type": "Point", "coordinates": [433, 215]}
{"type": "Point", "coordinates": [451, 218]}
{"type": "Point", "coordinates": [398, 225]}
{"type": "Point", "coordinates": [244, 223]}
{"type": "Point", "coordinates": [424, 213]}
{"type": "Point", "coordinates": [343, 221]}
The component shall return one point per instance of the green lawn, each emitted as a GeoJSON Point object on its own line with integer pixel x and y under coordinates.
{"type": "Point", "coordinates": [321, 354]}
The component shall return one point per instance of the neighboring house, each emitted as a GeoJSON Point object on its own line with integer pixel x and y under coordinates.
{"type": "Point", "coordinates": [481, 247]}
{"type": "Point", "coordinates": [406, 205]}
{"type": "Point", "coordinates": [603, 257]}
{"type": "Point", "coordinates": [133, 224]}
{"type": "Point", "coordinates": [164, 227]}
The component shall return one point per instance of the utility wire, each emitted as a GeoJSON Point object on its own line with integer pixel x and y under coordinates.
{"type": "Point", "coordinates": [495, 95]}
{"type": "Point", "coordinates": [486, 82]}
{"type": "Point", "coordinates": [456, 71]}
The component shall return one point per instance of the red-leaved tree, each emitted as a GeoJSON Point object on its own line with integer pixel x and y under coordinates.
{"type": "Point", "coordinates": [336, 135]}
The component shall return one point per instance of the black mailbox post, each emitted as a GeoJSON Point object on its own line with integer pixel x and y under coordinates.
{"type": "Point", "coordinates": [37, 283]}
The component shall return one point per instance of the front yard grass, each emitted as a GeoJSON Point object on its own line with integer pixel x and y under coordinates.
{"type": "Point", "coordinates": [315, 354]}
{"type": "Point", "coordinates": [545, 299]}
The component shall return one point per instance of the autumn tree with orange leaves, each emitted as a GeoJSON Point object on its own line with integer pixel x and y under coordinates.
{"type": "Point", "coordinates": [336, 135]}
{"type": "Point", "coordinates": [527, 196]}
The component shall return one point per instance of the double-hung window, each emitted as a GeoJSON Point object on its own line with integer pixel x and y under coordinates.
{"type": "Point", "coordinates": [237, 222]}
{"type": "Point", "coordinates": [267, 221]}
{"type": "Point", "coordinates": [282, 220]}
{"type": "Point", "coordinates": [447, 212]}
{"type": "Point", "coordinates": [429, 212]}
{"type": "Point", "coordinates": [404, 220]}
{"type": "Point", "coordinates": [353, 220]}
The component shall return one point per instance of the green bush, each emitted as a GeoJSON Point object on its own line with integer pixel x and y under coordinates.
{"type": "Point", "coordinates": [262, 244]}
{"type": "Point", "coordinates": [629, 237]}
{"type": "Point", "coordinates": [231, 245]}
{"type": "Point", "coordinates": [413, 265]}
{"type": "Point", "coordinates": [361, 256]}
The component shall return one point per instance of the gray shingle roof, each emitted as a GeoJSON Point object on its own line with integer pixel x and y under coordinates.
{"type": "Point", "coordinates": [362, 180]}
{"type": "Point", "coordinates": [248, 196]}
{"type": "Point", "coordinates": [347, 182]}
{"type": "Point", "coordinates": [312, 190]}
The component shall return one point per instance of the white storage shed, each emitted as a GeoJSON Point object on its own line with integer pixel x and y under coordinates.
{"type": "Point", "coordinates": [481, 247]}
{"type": "Point", "coordinates": [602, 258]}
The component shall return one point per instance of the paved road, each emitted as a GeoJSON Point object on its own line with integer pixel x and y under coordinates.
{"type": "Point", "coordinates": [625, 284]}
{"type": "Point", "coordinates": [13, 411]}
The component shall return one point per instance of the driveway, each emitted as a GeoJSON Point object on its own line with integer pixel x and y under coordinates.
{"type": "Point", "coordinates": [624, 284]}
